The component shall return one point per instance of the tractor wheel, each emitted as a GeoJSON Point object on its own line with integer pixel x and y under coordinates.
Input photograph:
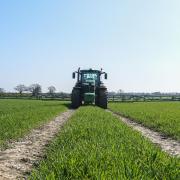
{"type": "Point", "coordinates": [97, 100]}
{"type": "Point", "coordinates": [75, 98]}
{"type": "Point", "coordinates": [102, 100]}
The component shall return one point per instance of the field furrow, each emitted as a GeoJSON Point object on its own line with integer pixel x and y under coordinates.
{"type": "Point", "coordinates": [18, 117]}
{"type": "Point", "coordinates": [94, 144]}
{"type": "Point", "coordinates": [17, 161]}
{"type": "Point", "coordinates": [168, 145]}
{"type": "Point", "coordinates": [160, 116]}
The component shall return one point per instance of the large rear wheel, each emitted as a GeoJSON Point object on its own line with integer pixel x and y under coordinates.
{"type": "Point", "coordinates": [102, 99]}
{"type": "Point", "coordinates": [75, 98]}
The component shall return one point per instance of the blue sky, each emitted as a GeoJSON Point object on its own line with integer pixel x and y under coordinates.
{"type": "Point", "coordinates": [136, 42]}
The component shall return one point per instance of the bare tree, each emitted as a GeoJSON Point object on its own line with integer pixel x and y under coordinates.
{"type": "Point", "coordinates": [2, 90]}
{"type": "Point", "coordinates": [35, 89]}
{"type": "Point", "coordinates": [120, 91]}
{"type": "Point", "coordinates": [20, 88]}
{"type": "Point", "coordinates": [52, 90]}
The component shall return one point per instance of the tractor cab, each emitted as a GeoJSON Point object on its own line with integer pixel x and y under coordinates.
{"type": "Point", "coordinates": [90, 77]}
{"type": "Point", "coordinates": [87, 76]}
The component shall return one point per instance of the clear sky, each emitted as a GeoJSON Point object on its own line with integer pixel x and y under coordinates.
{"type": "Point", "coordinates": [136, 41]}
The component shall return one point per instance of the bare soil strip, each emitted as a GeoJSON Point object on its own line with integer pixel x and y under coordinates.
{"type": "Point", "coordinates": [168, 145]}
{"type": "Point", "coordinates": [17, 161]}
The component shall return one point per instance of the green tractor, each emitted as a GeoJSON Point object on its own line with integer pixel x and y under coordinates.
{"type": "Point", "coordinates": [89, 88]}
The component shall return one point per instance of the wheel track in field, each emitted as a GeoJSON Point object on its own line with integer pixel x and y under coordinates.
{"type": "Point", "coordinates": [17, 161]}
{"type": "Point", "coordinates": [172, 147]}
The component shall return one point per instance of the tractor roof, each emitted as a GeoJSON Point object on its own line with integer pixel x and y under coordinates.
{"type": "Point", "coordinates": [90, 70]}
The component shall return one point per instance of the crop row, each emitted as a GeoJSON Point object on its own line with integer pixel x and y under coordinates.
{"type": "Point", "coordinates": [17, 117]}
{"type": "Point", "coordinates": [93, 144]}
{"type": "Point", "coordinates": [161, 116]}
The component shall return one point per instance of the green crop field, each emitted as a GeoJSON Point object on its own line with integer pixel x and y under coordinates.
{"type": "Point", "coordinates": [17, 117]}
{"type": "Point", "coordinates": [94, 144]}
{"type": "Point", "coordinates": [161, 116]}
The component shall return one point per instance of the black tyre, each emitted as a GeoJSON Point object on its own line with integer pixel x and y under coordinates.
{"type": "Point", "coordinates": [102, 99]}
{"type": "Point", "coordinates": [75, 98]}
{"type": "Point", "coordinates": [97, 100]}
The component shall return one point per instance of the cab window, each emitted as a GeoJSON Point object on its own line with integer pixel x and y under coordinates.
{"type": "Point", "coordinates": [87, 77]}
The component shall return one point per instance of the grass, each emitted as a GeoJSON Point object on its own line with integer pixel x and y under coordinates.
{"type": "Point", "coordinates": [161, 116]}
{"type": "Point", "coordinates": [17, 117]}
{"type": "Point", "coordinates": [95, 145]}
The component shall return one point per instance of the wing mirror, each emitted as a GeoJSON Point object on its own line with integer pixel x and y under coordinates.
{"type": "Point", "coordinates": [105, 76]}
{"type": "Point", "coordinates": [74, 75]}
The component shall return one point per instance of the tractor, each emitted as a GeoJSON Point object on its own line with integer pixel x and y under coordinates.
{"type": "Point", "coordinates": [89, 89]}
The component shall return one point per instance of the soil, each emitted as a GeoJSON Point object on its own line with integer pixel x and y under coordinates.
{"type": "Point", "coordinates": [170, 146]}
{"type": "Point", "coordinates": [17, 161]}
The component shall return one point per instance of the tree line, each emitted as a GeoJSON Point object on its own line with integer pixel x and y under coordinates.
{"type": "Point", "coordinates": [34, 89]}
